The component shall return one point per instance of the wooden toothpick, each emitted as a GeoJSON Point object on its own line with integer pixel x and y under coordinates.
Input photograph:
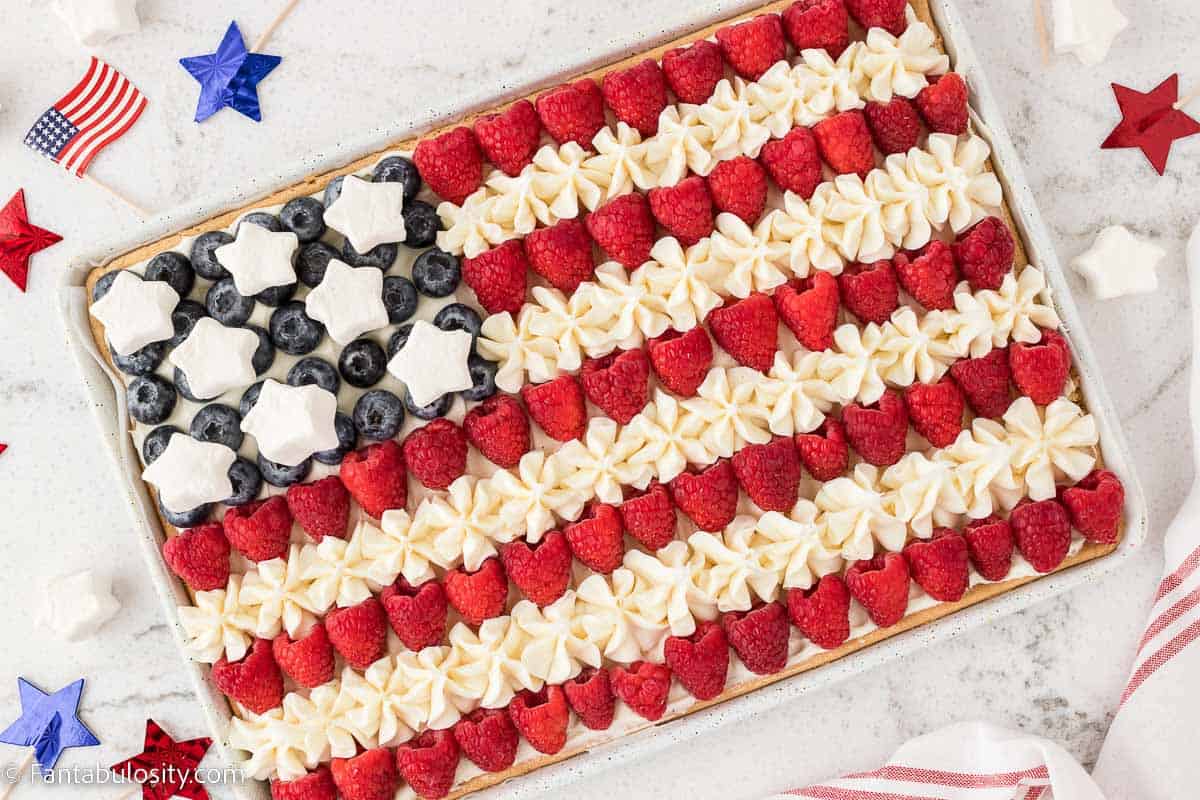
{"type": "Point", "coordinates": [262, 39]}
{"type": "Point", "coordinates": [21, 770]}
{"type": "Point", "coordinates": [1043, 34]}
{"type": "Point", "coordinates": [1187, 99]}
{"type": "Point", "coordinates": [141, 212]}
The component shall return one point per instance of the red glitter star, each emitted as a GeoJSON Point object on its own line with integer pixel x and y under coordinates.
{"type": "Point", "coordinates": [1150, 121]}
{"type": "Point", "coordinates": [166, 768]}
{"type": "Point", "coordinates": [19, 240]}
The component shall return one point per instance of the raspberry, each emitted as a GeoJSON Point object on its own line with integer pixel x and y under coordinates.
{"type": "Point", "coordinates": [810, 310]}
{"type": "Point", "coordinates": [509, 139]}
{"type": "Point", "coordinates": [818, 24]}
{"type": "Point", "coordinates": [880, 585]}
{"type": "Point", "coordinates": [617, 383]}
{"type": "Point", "coordinates": [487, 737]}
{"type": "Point", "coordinates": [748, 330]}
{"type": "Point", "coordinates": [316, 785]}
{"type": "Point", "coordinates": [541, 571]}
{"type": "Point", "coordinates": [428, 763]}
{"type": "Point", "coordinates": [794, 162]}
{"type": "Point", "coordinates": [1039, 370]}
{"type": "Point", "coordinates": [939, 565]}
{"type": "Point", "coordinates": [255, 681]}
{"type": "Point", "coordinates": [984, 382]}
{"type": "Point", "coordinates": [936, 410]}
{"type": "Point", "coordinates": [694, 72]}
{"type": "Point", "coordinates": [752, 47]}
{"type": "Point", "coordinates": [685, 210]}
{"type": "Point", "coordinates": [597, 539]}
{"type": "Point", "coordinates": [681, 360]}
{"type": "Point", "coordinates": [845, 143]}
{"type": "Point", "coordinates": [376, 477]}
{"type": "Point", "coordinates": [895, 126]}
{"type": "Point", "coordinates": [886, 14]}
{"type": "Point", "coordinates": [700, 661]}
{"type": "Point", "coordinates": [200, 556]}
{"type": "Point", "coordinates": [739, 187]}
{"type": "Point", "coordinates": [822, 612]}
{"type": "Point", "coordinates": [436, 453]}
{"type": "Point", "coordinates": [370, 775]}
{"type": "Point", "coordinates": [624, 228]}
{"type": "Point", "coordinates": [943, 104]}
{"type": "Point", "coordinates": [322, 508]}
{"type": "Point", "coordinates": [878, 431]}
{"type": "Point", "coordinates": [557, 407]}
{"type": "Point", "coordinates": [451, 164]}
{"type": "Point", "coordinates": [824, 452]}
{"type": "Point", "coordinates": [1095, 505]}
{"type": "Point", "coordinates": [985, 253]}
{"type": "Point", "coordinates": [770, 473]}
{"type": "Point", "coordinates": [990, 545]}
{"type": "Point", "coordinates": [260, 531]}
{"type": "Point", "coordinates": [359, 632]}
{"type": "Point", "coordinates": [541, 717]}
{"type": "Point", "coordinates": [643, 687]}
{"type": "Point", "coordinates": [929, 276]}
{"type": "Point", "coordinates": [759, 637]}
{"type": "Point", "coordinates": [870, 291]}
{"type": "Point", "coordinates": [650, 517]}
{"type": "Point", "coordinates": [573, 112]}
{"type": "Point", "coordinates": [562, 254]}
{"type": "Point", "coordinates": [478, 595]}
{"type": "Point", "coordinates": [591, 698]}
{"type": "Point", "coordinates": [307, 660]}
{"type": "Point", "coordinates": [499, 429]}
{"type": "Point", "coordinates": [498, 277]}
{"type": "Point", "coordinates": [416, 613]}
{"type": "Point", "coordinates": [637, 95]}
{"type": "Point", "coordinates": [1042, 531]}
{"type": "Point", "coordinates": [709, 498]}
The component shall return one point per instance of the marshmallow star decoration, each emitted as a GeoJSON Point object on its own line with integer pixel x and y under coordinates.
{"type": "Point", "coordinates": [368, 214]}
{"type": "Point", "coordinates": [348, 301]}
{"type": "Point", "coordinates": [190, 473]}
{"type": "Point", "coordinates": [290, 423]}
{"type": "Point", "coordinates": [96, 21]}
{"type": "Point", "coordinates": [1087, 28]}
{"type": "Point", "coordinates": [258, 258]}
{"type": "Point", "coordinates": [79, 604]}
{"type": "Point", "coordinates": [1119, 263]}
{"type": "Point", "coordinates": [136, 312]}
{"type": "Point", "coordinates": [215, 359]}
{"type": "Point", "coordinates": [433, 362]}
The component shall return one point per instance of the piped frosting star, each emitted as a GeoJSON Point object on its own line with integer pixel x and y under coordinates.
{"type": "Point", "coordinates": [348, 301]}
{"type": "Point", "coordinates": [432, 362]}
{"type": "Point", "coordinates": [259, 259]}
{"type": "Point", "coordinates": [96, 21]}
{"type": "Point", "coordinates": [135, 312]}
{"type": "Point", "coordinates": [368, 214]}
{"type": "Point", "coordinates": [215, 359]}
{"type": "Point", "coordinates": [190, 473]}
{"type": "Point", "coordinates": [290, 423]}
{"type": "Point", "coordinates": [49, 723]}
{"type": "Point", "coordinates": [1119, 263]}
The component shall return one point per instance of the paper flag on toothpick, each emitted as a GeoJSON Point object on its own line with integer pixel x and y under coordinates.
{"type": "Point", "coordinates": [166, 768]}
{"type": "Point", "coordinates": [1151, 121]}
{"type": "Point", "coordinates": [19, 240]}
{"type": "Point", "coordinates": [49, 723]}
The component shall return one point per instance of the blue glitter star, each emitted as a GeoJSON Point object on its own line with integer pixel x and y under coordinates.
{"type": "Point", "coordinates": [49, 723]}
{"type": "Point", "coordinates": [230, 76]}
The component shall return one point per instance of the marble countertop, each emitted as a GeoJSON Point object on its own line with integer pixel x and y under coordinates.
{"type": "Point", "coordinates": [1056, 669]}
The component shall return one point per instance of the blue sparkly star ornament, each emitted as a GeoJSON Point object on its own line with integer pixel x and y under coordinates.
{"type": "Point", "coordinates": [230, 76]}
{"type": "Point", "coordinates": [49, 723]}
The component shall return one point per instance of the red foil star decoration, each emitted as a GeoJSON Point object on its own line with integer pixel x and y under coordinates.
{"type": "Point", "coordinates": [166, 768]}
{"type": "Point", "coordinates": [1150, 121]}
{"type": "Point", "coordinates": [19, 240]}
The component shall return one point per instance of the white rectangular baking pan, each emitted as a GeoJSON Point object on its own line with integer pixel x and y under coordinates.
{"type": "Point", "coordinates": [107, 394]}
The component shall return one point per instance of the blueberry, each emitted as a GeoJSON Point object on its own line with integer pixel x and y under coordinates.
{"type": "Point", "coordinates": [185, 389]}
{"type": "Point", "coordinates": [483, 378]}
{"type": "Point", "coordinates": [314, 371]}
{"type": "Point", "coordinates": [378, 415]}
{"type": "Point", "coordinates": [264, 354]}
{"type": "Point", "coordinates": [249, 398]}
{"type": "Point", "coordinates": [140, 362]}
{"type": "Point", "coordinates": [186, 519]}
{"type": "Point", "coordinates": [436, 273]}
{"type": "Point", "coordinates": [104, 283]}
{"type": "Point", "coordinates": [311, 263]}
{"type": "Point", "coordinates": [398, 340]}
{"type": "Point", "coordinates": [293, 331]}
{"type": "Point", "coordinates": [204, 260]}
{"type": "Point", "coordinates": [422, 224]}
{"type": "Point", "coordinates": [282, 475]}
{"type": "Point", "coordinates": [347, 438]}
{"type": "Point", "coordinates": [399, 298]}
{"type": "Point", "coordinates": [437, 408]}
{"type": "Point", "coordinates": [175, 269]}
{"type": "Point", "coordinates": [263, 220]}
{"type": "Point", "coordinates": [276, 296]}
{"type": "Point", "coordinates": [246, 480]}
{"type": "Point", "coordinates": [184, 318]}
{"type": "Point", "coordinates": [458, 317]}
{"type": "Point", "coordinates": [333, 191]}
{"type": "Point", "coordinates": [362, 363]}
{"type": "Point", "coordinates": [226, 306]}
{"type": "Point", "coordinates": [151, 399]}
{"type": "Point", "coordinates": [156, 441]}
{"type": "Point", "coordinates": [305, 217]}
{"type": "Point", "coordinates": [381, 256]}
{"type": "Point", "coordinates": [218, 423]}
{"type": "Point", "coordinates": [398, 169]}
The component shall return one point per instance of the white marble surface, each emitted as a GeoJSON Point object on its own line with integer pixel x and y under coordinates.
{"type": "Point", "coordinates": [352, 68]}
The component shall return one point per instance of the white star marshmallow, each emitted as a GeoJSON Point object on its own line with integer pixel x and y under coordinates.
{"type": "Point", "coordinates": [77, 605]}
{"type": "Point", "coordinates": [290, 423]}
{"type": "Point", "coordinates": [190, 473]}
{"type": "Point", "coordinates": [1119, 263]}
{"type": "Point", "coordinates": [215, 359]}
{"type": "Point", "coordinates": [259, 259]}
{"type": "Point", "coordinates": [1087, 28]}
{"type": "Point", "coordinates": [432, 362]}
{"type": "Point", "coordinates": [135, 312]}
{"type": "Point", "coordinates": [94, 22]}
{"type": "Point", "coordinates": [368, 214]}
{"type": "Point", "coordinates": [348, 301]}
